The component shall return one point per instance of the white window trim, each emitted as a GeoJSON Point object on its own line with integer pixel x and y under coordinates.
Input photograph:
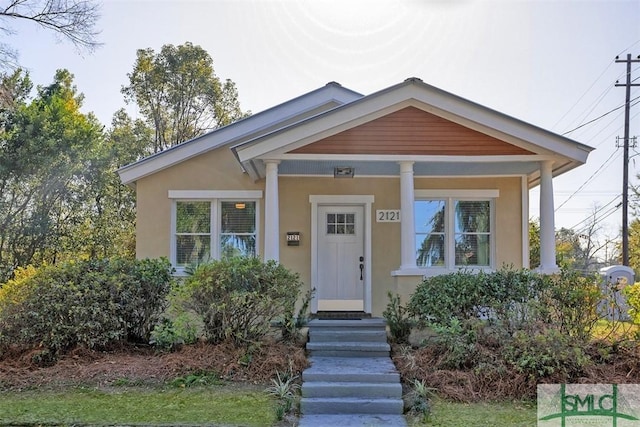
{"type": "Point", "coordinates": [450, 197]}
{"type": "Point", "coordinates": [199, 196]}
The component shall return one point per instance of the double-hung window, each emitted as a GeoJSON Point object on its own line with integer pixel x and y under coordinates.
{"type": "Point", "coordinates": [212, 228]}
{"type": "Point", "coordinates": [454, 231]}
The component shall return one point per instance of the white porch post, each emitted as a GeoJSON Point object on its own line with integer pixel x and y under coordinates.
{"type": "Point", "coordinates": [407, 236]}
{"type": "Point", "coordinates": [271, 213]}
{"type": "Point", "coordinates": [547, 221]}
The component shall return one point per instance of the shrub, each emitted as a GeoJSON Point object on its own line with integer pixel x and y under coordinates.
{"type": "Point", "coordinates": [548, 352]}
{"type": "Point", "coordinates": [398, 320]}
{"type": "Point", "coordinates": [569, 302]}
{"type": "Point", "coordinates": [91, 303]}
{"type": "Point", "coordinates": [238, 297]}
{"type": "Point", "coordinates": [438, 299]}
{"type": "Point", "coordinates": [457, 341]}
{"type": "Point", "coordinates": [142, 287]}
{"type": "Point", "coordinates": [171, 334]}
{"type": "Point", "coordinates": [632, 293]}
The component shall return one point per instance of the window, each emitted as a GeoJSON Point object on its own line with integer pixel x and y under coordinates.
{"type": "Point", "coordinates": [341, 223]}
{"type": "Point", "coordinates": [193, 232]}
{"type": "Point", "coordinates": [211, 229]}
{"type": "Point", "coordinates": [453, 232]}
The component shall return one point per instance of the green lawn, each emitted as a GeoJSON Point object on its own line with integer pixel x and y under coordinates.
{"type": "Point", "coordinates": [221, 405]}
{"type": "Point", "coordinates": [503, 414]}
{"type": "Point", "coordinates": [162, 406]}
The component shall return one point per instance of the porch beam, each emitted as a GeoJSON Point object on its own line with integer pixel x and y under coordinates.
{"type": "Point", "coordinates": [547, 220]}
{"type": "Point", "coordinates": [407, 233]}
{"type": "Point", "coordinates": [271, 212]}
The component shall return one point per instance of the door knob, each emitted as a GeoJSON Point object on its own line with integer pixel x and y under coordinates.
{"type": "Point", "coordinates": [361, 270]}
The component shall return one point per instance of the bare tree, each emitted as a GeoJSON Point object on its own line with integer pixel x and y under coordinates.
{"type": "Point", "coordinates": [74, 20]}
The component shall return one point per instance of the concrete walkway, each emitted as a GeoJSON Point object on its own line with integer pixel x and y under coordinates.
{"type": "Point", "coordinates": [352, 381]}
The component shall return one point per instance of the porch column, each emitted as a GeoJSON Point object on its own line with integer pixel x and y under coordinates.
{"type": "Point", "coordinates": [407, 229]}
{"type": "Point", "coordinates": [547, 220]}
{"type": "Point", "coordinates": [271, 213]}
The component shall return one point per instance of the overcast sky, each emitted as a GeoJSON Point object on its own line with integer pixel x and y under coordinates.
{"type": "Point", "coordinates": [549, 63]}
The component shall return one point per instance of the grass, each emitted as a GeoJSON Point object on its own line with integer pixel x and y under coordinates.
{"type": "Point", "coordinates": [507, 414]}
{"type": "Point", "coordinates": [615, 330]}
{"type": "Point", "coordinates": [161, 406]}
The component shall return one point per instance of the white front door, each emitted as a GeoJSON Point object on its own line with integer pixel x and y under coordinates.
{"type": "Point", "coordinates": [341, 258]}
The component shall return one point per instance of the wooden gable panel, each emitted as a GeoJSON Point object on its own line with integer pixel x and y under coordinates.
{"type": "Point", "coordinates": [412, 131]}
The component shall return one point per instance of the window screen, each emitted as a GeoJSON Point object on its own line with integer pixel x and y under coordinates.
{"type": "Point", "coordinates": [237, 229]}
{"type": "Point", "coordinates": [193, 232]}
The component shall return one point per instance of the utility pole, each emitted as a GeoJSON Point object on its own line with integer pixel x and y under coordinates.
{"type": "Point", "coordinates": [625, 166]}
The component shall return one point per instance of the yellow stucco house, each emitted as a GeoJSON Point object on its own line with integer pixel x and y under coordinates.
{"type": "Point", "coordinates": [359, 194]}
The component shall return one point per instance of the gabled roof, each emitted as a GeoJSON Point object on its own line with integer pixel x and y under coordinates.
{"type": "Point", "coordinates": [287, 113]}
{"type": "Point", "coordinates": [287, 143]}
{"type": "Point", "coordinates": [295, 132]}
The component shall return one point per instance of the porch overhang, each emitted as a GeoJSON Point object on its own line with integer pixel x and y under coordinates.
{"type": "Point", "coordinates": [387, 166]}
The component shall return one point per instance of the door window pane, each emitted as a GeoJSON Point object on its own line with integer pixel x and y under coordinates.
{"type": "Point", "coordinates": [341, 223]}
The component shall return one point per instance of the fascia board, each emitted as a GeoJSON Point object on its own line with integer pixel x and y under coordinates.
{"type": "Point", "coordinates": [469, 111]}
{"type": "Point", "coordinates": [415, 158]}
{"type": "Point", "coordinates": [233, 133]}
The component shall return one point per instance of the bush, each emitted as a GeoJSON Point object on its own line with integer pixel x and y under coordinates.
{"type": "Point", "coordinates": [457, 342]}
{"type": "Point", "coordinates": [398, 320]}
{"type": "Point", "coordinates": [511, 300]}
{"type": "Point", "coordinates": [546, 353]}
{"type": "Point", "coordinates": [569, 302]}
{"type": "Point", "coordinates": [238, 297]}
{"type": "Point", "coordinates": [91, 303]}
{"type": "Point", "coordinates": [632, 293]}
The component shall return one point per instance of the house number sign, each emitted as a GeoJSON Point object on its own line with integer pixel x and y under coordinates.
{"type": "Point", "coordinates": [388, 215]}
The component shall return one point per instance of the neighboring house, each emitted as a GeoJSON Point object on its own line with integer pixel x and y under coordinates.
{"type": "Point", "coordinates": [359, 194]}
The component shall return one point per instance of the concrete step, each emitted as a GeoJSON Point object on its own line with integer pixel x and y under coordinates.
{"type": "Point", "coordinates": [350, 405]}
{"type": "Point", "coordinates": [352, 389]}
{"type": "Point", "coordinates": [348, 349]}
{"type": "Point", "coordinates": [352, 420]}
{"type": "Point", "coordinates": [351, 369]}
{"type": "Point", "coordinates": [345, 335]}
{"type": "Point", "coordinates": [373, 323]}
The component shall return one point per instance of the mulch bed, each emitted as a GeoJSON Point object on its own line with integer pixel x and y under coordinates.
{"type": "Point", "coordinates": [144, 365]}
{"type": "Point", "coordinates": [494, 383]}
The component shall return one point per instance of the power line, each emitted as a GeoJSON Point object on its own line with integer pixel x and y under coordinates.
{"type": "Point", "coordinates": [587, 181]}
{"type": "Point", "coordinates": [598, 211]}
{"type": "Point", "coordinates": [599, 117]}
{"type": "Point", "coordinates": [583, 95]}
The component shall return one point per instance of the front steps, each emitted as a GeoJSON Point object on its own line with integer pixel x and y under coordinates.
{"type": "Point", "coordinates": [352, 380]}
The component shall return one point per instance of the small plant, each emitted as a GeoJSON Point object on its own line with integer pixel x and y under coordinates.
{"type": "Point", "coordinates": [199, 378]}
{"type": "Point", "coordinates": [458, 340]}
{"type": "Point", "coordinates": [285, 389]}
{"type": "Point", "coordinates": [292, 324]}
{"type": "Point", "coordinates": [418, 399]}
{"type": "Point", "coordinates": [171, 334]}
{"type": "Point", "coordinates": [397, 318]}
